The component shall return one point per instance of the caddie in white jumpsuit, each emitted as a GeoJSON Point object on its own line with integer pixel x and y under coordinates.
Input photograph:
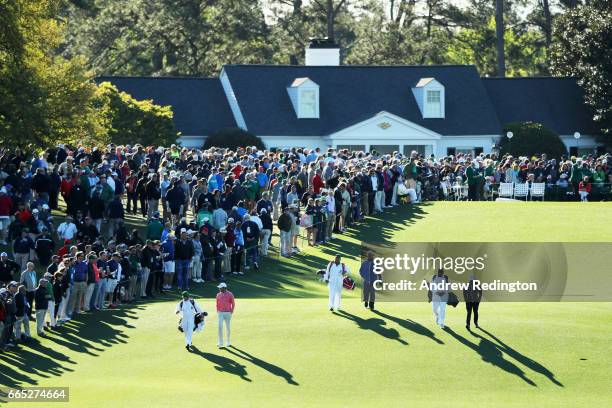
{"type": "Point", "coordinates": [188, 309]}
{"type": "Point", "coordinates": [334, 275]}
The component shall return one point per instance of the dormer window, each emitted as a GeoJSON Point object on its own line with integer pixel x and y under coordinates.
{"type": "Point", "coordinates": [304, 95]}
{"type": "Point", "coordinates": [429, 95]}
{"type": "Point", "coordinates": [433, 105]}
{"type": "Point", "coordinates": [308, 103]}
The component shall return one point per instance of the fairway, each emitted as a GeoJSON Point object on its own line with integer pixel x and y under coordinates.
{"type": "Point", "coordinates": [290, 351]}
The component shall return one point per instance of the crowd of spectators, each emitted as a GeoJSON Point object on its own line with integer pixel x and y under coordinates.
{"type": "Point", "coordinates": [209, 214]}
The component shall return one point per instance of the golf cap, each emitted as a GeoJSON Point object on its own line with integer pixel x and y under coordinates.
{"type": "Point", "coordinates": [4, 254]}
{"type": "Point", "coordinates": [12, 283]}
{"type": "Point", "coordinates": [185, 294]}
{"type": "Point", "coordinates": [222, 285]}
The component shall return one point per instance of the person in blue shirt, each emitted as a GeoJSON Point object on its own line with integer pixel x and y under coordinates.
{"type": "Point", "coordinates": [213, 183]}
{"type": "Point", "coordinates": [262, 179]}
{"type": "Point", "coordinates": [238, 249]}
{"type": "Point", "coordinates": [167, 250]}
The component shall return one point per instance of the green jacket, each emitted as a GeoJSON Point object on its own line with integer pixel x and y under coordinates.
{"type": "Point", "coordinates": [252, 188]}
{"type": "Point", "coordinates": [576, 175]}
{"type": "Point", "coordinates": [154, 230]}
{"type": "Point", "coordinates": [472, 175]}
{"type": "Point", "coordinates": [200, 217]}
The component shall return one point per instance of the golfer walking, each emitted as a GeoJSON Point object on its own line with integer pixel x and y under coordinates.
{"type": "Point", "coordinates": [368, 277]}
{"type": "Point", "coordinates": [334, 275]}
{"type": "Point", "coordinates": [225, 308]}
{"type": "Point", "coordinates": [439, 297]}
{"type": "Point", "coordinates": [188, 309]}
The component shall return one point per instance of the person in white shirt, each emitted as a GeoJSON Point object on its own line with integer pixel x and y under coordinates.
{"type": "Point", "coordinates": [67, 229]}
{"type": "Point", "coordinates": [439, 298]}
{"type": "Point", "coordinates": [330, 208]}
{"type": "Point", "coordinates": [334, 275]}
{"type": "Point", "coordinates": [188, 309]}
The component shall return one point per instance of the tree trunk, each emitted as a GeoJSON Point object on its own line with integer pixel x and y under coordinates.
{"type": "Point", "coordinates": [330, 19]}
{"type": "Point", "coordinates": [499, 32]}
{"type": "Point", "coordinates": [547, 24]}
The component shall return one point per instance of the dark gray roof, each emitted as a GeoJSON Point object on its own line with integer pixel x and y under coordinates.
{"type": "Point", "coordinates": [199, 104]}
{"type": "Point", "coordinates": [348, 94]}
{"type": "Point", "coordinates": [557, 103]}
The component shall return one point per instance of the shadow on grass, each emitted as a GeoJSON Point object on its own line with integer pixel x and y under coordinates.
{"type": "Point", "coordinates": [523, 359]}
{"type": "Point", "coordinates": [224, 364]}
{"type": "Point", "coordinates": [411, 325]}
{"type": "Point", "coordinates": [89, 334]}
{"type": "Point", "coordinates": [491, 353]}
{"type": "Point", "coordinates": [269, 367]}
{"type": "Point", "coordinates": [373, 324]}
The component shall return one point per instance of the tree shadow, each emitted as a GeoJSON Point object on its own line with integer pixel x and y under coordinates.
{"type": "Point", "coordinates": [411, 325]}
{"type": "Point", "coordinates": [87, 333]}
{"type": "Point", "coordinates": [523, 359]}
{"type": "Point", "coordinates": [269, 367]}
{"type": "Point", "coordinates": [491, 353]}
{"type": "Point", "coordinates": [224, 364]}
{"type": "Point", "coordinates": [20, 366]}
{"type": "Point", "coordinates": [373, 324]}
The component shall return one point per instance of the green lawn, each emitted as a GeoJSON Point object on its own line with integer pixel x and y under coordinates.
{"type": "Point", "coordinates": [290, 351]}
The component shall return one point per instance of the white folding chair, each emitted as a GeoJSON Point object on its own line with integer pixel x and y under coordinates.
{"type": "Point", "coordinates": [537, 190]}
{"type": "Point", "coordinates": [521, 190]}
{"type": "Point", "coordinates": [505, 190]}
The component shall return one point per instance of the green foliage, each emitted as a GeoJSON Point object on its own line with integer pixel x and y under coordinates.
{"type": "Point", "coordinates": [583, 49]}
{"type": "Point", "coordinates": [233, 138]}
{"type": "Point", "coordinates": [531, 138]}
{"type": "Point", "coordinates": [132, 121]}
{"type": "Point", "coordinates": [43, 98]}
{"type": "Point", "coordinates": [167, 37]}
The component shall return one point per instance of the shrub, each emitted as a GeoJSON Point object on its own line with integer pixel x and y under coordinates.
{"type": "Point", "coordinates": [233, 138]}
{"type": "Point", "coordinates": [531, 138]}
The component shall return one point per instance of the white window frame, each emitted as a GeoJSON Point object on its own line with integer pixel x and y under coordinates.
{"type": "Point", "coordinates": [433, 109]}
{"type": "Point", "coordinates": [302, 112]}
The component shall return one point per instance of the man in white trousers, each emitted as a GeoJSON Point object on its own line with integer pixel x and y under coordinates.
{"type": "Point", "coordinates": [225, 308]}
{"type": "Point", "coordinates": [188, 309]}
{"type": "Point", "coordinates": [439, 297]}
{"type": "Point", "coordinates": [334, 275]}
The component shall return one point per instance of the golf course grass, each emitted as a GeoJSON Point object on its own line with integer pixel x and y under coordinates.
{"type": "Point", "coordinates": [290, 351]}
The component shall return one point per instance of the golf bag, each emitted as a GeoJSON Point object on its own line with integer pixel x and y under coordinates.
{"type": "Point", "coordinates": [197, 318]}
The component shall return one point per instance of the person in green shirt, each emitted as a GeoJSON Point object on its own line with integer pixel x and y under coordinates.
{"type": "Point", "coordinates": [154, 228]}
{"type": "Point", "coordinates": [252, 189]}
{"type": "Point", "coordinates": [473, 179]}
{"type": "Point", "coordinates": [203, 214]}
{"type": "Point", "coordinates": [576, 177]}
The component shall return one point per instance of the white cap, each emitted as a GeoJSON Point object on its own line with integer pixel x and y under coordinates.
{"type": "Point", "coordinates": [45, 207]}
{"type": "Point", "coordinates": [183, 230]}
{"type": "Point", "coordinates": [222, 285]}
{"type": "Point", "coordinates": [4, 254]}
{"type": "Point", "coordinates": [35, 211]}
{"type": "Point", "coordinates": [206, 219]}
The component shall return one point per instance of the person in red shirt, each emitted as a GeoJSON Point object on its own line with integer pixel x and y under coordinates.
{"type": "Point", "coordinates": [225, 309]}
{"type": "Point", "coordinates": [317, 182]}
{"type": "Point", "coordinates": [6, 209]}
{"type": "Point", "coordinates": [584, 188]}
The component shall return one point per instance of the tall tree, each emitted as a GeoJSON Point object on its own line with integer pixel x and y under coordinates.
{"type": "Point", "coordinates": [583, 49]}
{"type": "Point", "coordinates": [499, 34]}
{"type": "Point", "coordinates": [43, 98]}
